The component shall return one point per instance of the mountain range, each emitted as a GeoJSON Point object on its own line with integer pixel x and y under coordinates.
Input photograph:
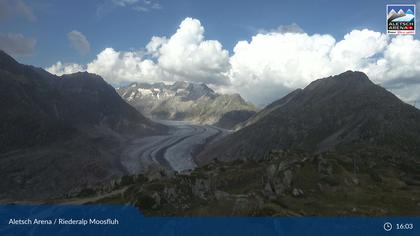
{"type": "Point", "coordinates": [340, 146]}
{"type": "Point", "coordinates": [187, 101]}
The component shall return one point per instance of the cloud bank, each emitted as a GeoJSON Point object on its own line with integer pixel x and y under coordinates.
{"type": "Point", "coordinates": [185, 56]}
{"type": "Point", "coordinates": [267, 66]}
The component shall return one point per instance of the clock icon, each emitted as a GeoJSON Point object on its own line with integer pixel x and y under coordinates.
{"type": "Point", "coordinates": [387, 226]}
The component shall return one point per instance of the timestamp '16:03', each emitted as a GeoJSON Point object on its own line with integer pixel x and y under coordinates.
{"type": "Point", "coordinates": [407, 226]}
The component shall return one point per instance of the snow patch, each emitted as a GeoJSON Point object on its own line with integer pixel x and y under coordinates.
{"type": "Point", "coordinates": [145, 91]}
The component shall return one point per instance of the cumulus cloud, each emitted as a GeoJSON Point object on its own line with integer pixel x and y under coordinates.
{"type": "Point", "coordinates": [187, 56]}
{"type": "Point", "coordinates": [357, 49]}
{"type": "Point", "coordinates": [79, 42]}
{"type": "Point", "coordinates": [117, 67]}
{"type": "Point", "coordinates": [17, 44]}
{"type": "Point", "coordinates": [64, 68]}
{"type": "Point", "coordinates": [400, 60]}
{"type": "Point", "coordinates": [154, 45]}
{"type": "Point", "coordinates": [11, 8]}
{"type": "Point", "coordinates": [268, 65]}
{"type": "Point", "coordinates": [275, 63]}
{"type": "Point", "coordinates": [272, 64]}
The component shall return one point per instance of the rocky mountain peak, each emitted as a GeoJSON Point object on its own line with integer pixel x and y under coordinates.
{"type": "Point", "coordinates": [180, 85]}
{"type": "Point", "coordinates": [348, 78]}
{"type": "Point", "coordinates": [342, 112]}
{"type": "Point", "coordinates": [195, 91]}
{"type": "Point", "coordinates": [6, 59]}
{"type": "Point", "coordinates": [186, 101]}
{"type": "Point", "coordinates": [7, 63]}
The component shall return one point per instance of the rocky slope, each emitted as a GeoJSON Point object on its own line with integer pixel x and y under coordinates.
{"type": "Point", "coordinates": [189, 102]}
{"type": "Point", "coordinates": [282, 184]}
{"type": "Point", "coordinates": [343, 113]}
{"type": "Point", "coordinates": [60, 133]}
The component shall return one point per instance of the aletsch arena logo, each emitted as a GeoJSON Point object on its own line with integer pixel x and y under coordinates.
{"type": "Point", "coordinates": [401, 18]}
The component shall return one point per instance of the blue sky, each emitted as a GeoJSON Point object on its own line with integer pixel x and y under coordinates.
{"type": "Point", "coordinates": [260, 49]}
{"type": "Point", "coordinates": [108, 25]}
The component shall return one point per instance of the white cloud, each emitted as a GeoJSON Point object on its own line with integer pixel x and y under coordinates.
{"type": "Point", "coordinates": [155, 44]}
{"type": "Point", "coordinates": [183, 56]}
{"type": "Point", "coordinates": [17, 44]}
{"type": "Point", "coordinates": [408, 93]}
{"type": "Point", "coordinates": [275, 63]}
{"type": "Point", "coordinates": [401, 60]}
{"type": "Point", "coordinates": [270, 64]}
{"type": "Point", "coordinates": [187, 56]}
{"type": "Point", "coordinates": [79, 42]}
{"type": "Point", "coordinates": [399, 68]}
{"type": "Point", "coordinates": [68, 68]}
{"type": "Point", "coordinates": [117, 67]}
{"type": "Point", "coordinates": [357, 49]}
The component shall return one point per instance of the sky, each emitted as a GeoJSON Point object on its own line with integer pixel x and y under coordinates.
{"type": "Point", "coordinates": [260, 49]}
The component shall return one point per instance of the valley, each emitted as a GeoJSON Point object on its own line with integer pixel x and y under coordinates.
{"type": "Point", "coordinates": [174, 150]}
{"type": "Point", "coordinates": [342, 145]}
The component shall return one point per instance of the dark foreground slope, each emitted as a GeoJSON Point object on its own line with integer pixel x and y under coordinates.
{"type": "Point", "coordinates": [343, 113]}
{"type": "Point", "coordinates": [60, 133]}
